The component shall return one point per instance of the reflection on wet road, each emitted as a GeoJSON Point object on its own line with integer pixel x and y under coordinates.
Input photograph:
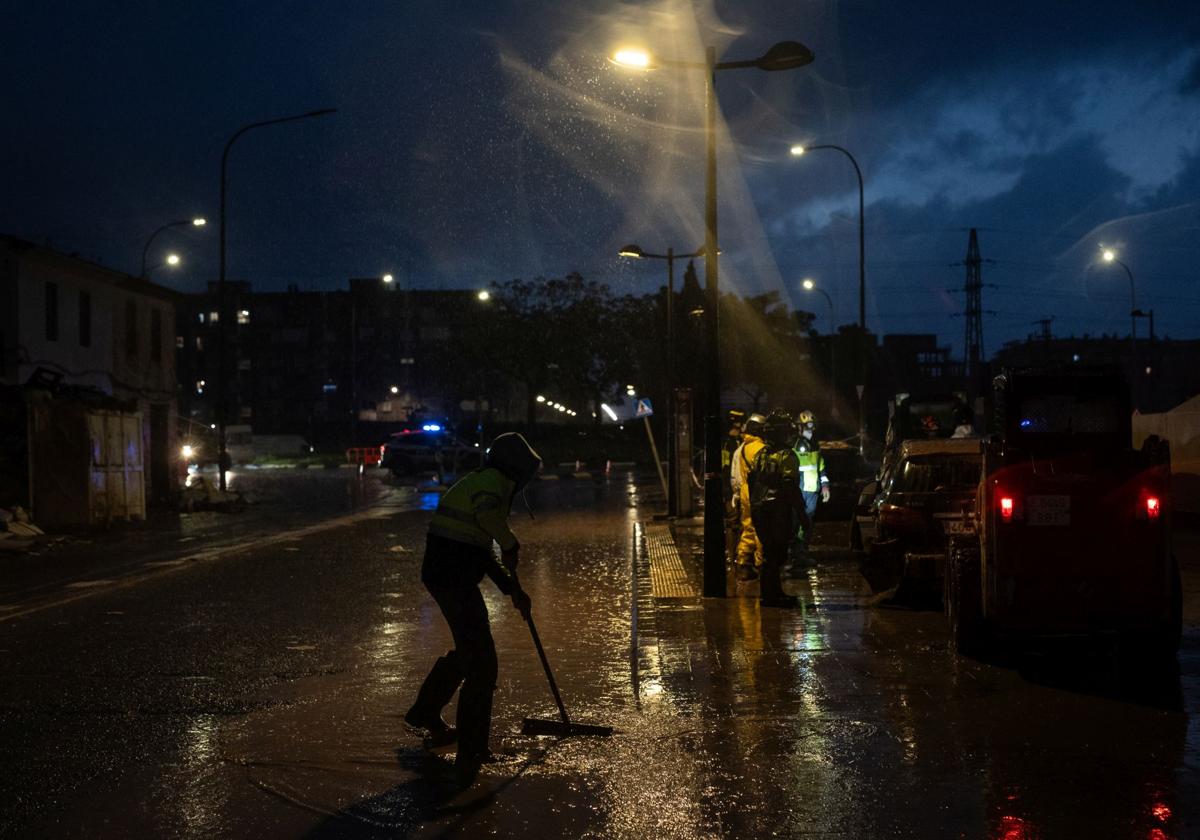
{"type": "Point", "coordinates": [263, 695]}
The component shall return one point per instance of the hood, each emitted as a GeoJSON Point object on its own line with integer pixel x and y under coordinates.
{"type": "Point", "coordinates": [514, 457]}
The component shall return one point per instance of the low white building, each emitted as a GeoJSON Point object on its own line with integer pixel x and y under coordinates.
{"type": "Point", "coordinates": [64, 318]}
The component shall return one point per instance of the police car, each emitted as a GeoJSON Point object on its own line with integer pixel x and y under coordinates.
{"type": "Point", "coordinates": [428, 447]}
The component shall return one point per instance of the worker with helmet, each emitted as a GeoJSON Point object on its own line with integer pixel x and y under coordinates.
{"type": "Point", "coordinates": [471, 516]}
{"type": "Point", "coordinates": [749, 553]}
{"type": "Point", "coordinates": [776, 503]}
{"type": "Point", "coordinates": [814, 483]}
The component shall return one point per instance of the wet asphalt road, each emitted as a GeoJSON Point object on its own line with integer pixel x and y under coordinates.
{"type": "Point", "coordinates": [259, 693]}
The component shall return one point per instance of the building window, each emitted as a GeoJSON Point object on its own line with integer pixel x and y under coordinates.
{"type": "Point", "coordinates": [85, 319]}
{"type": "Point", "coordinates": [213, 317]}
{"type": "Point", "coordinates": [199, 342]}
{"type": "Point", "coordinates": [243, 316]}
{"type": "Point", "coordinates": [52, 312]}
{"type": "Point", "coordinates": [178, 342]}
{"type": "Point", "coordinates": [200, 315]}
{"type": "Point", "coordinates": [156, 335]}
{"type": "Point", "coordinates": [131, 329]}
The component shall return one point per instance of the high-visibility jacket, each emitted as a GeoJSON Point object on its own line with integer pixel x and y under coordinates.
{"type": "Point", "coordinates": [743, 457]}
{"type": "Point", "coordinates": [475, 510]}
{"type": "Point", "coordinates": [812, 470]}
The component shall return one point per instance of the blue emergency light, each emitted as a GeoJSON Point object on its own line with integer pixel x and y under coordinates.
{"type": "Point", "coordinates": [431, 427]}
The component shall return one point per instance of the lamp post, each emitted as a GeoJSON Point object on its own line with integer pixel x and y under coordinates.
{"type": "Point", "coordinates": [785, 55]}
{"type": "Point", "coordinates": [199, 221]}
{"type": "Point", "coordinates": [798, 150]}
{"type": "Point", "coordinates": [1110, 256]}
{"type": "Point", "coordinates": [222, 317]}
{"type": "Point", "coordinates": [809, 285]}
{"type": "Point", "coordinates": [635, 252]}
{"type": "Point", "coordinates": [387, 281]}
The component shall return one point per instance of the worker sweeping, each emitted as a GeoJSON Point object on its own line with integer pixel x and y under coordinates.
{"type": "Point", "coordinates": [472, 515]}
{"type": "Point", "coordinates": [773, 483]}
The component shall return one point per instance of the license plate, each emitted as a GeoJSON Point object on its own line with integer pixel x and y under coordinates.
{"type": "Point", "coordinates": [955, 526]}
{"type": "Point", "coordinates": [1048, 510]}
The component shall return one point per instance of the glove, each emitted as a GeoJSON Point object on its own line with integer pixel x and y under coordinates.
{"type": "Point", "coordinates": [824, 492]}
{"type": "Point", "coordinates": [521, 601]}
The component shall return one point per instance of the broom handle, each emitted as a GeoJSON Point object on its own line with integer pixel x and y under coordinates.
{"type": "Point", "coordinates": [562, 710]}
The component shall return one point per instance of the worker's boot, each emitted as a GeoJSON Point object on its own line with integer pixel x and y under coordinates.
{"type": "Point", "coordinates": [426, 713]}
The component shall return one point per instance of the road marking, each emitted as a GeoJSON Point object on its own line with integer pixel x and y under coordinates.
{"type": "Point", "coordinates": [86, 589]}
{"type": "Point", "coordinates": [301, 647]}
{"type": "Point", "coordinates": [162, 564]}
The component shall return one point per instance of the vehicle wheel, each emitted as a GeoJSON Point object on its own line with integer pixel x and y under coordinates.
{"type": "Point", "coordinates": [963, 596]}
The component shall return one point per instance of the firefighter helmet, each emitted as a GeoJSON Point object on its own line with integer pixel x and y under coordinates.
{"type": "Point", "coordinates": [806, 419]}
{"type": "Point", "coordinates": [779, 431]}
{"type": "Point", "coordinates": [754, 425]}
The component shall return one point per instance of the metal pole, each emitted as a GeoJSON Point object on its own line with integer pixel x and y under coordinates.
{"type": "Point", "coordinates": [714, 520]}
{"type": "Point", "coordinates": [146, 249]}
{"type": "Point", "coordinates": [672, 449]}
{"type": "Point", "coordinates": [222, 314]}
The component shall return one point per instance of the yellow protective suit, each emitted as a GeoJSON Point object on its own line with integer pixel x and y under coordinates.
{"type": "Point", "coordinates": [749, 550]}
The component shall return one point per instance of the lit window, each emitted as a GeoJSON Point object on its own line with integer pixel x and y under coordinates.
{"type": "Point", "coordinates": [199, 342]}
{"type": "Point", "coordinates": [178, 342]}
{"type": "Point", "coordinates": [213, 317]}
{"type": "Point", "coordinates": [200, 315]}
{"type": "Point", "coordinates": [243, 316]}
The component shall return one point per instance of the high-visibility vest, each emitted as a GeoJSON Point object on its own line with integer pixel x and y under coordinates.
{"type": "Point", "coordinates": [475, 510]}
{"type": "Point", "coordinates": [812, 470]}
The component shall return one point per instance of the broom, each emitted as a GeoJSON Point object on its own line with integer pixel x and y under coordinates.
{"type": "Point", "coordinates": [563, 727]}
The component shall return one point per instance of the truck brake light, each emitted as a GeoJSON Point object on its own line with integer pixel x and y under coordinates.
{"type": "Point", "coordinates": [1153, 507]}
{"type": "Point", "coordinates": [1006, 508]}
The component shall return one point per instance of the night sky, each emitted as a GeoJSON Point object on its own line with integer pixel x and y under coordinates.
{"type": "Point", "coordinates": [478, 142]}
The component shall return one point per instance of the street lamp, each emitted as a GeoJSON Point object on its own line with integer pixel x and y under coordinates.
{"type": "Point", "coordinates": [635, 252]}
{"type": "Point", "coordinates": [786, 55]}
{"type": "Point", "coordinates": [809, 285]}
{"type": "Point", "coordinates": [483, 295]}
{"type": "Point", "coordinates": [199, 221]}
{"type": "Point", "coordinates": [1110, 256]}
{"type": "Point", "coordinates": [222, 319]}
{"type": "Point", "coordinates": [797, 151]}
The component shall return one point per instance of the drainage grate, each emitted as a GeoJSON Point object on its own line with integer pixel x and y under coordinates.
{"type": "Point", "coordinates": [668, 579]}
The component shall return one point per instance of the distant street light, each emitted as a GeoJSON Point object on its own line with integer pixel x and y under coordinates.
{"type": "Point", "coordinates": [223, 320]}
{"type": "Point", "coordinates": [635, 252]}
{"type": "Point", "coordinates": [199, 221]}
{"type": "Point", "coordinates": [809, 285]}
{"type": "Point", "coordinates": [387, 278]}
{"type": "Point", "coordinates": [172, 259]}
{"type": "Point", "coordinates": [797, 151]}
{"type": "Point", "coordinates": [484, 295]}
{"type": "Point", "coordinates": [1110, 256]}
{"type": "Point", "coordinates": [786, 55]}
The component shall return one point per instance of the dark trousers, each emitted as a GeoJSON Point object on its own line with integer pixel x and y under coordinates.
{"type": "Point", "coordinates": [472, 665]}
{"type": "Point", "coordinates": [773, 524]}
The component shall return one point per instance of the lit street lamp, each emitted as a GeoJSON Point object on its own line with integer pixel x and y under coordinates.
{"type": "Point", "coordinates": [1110, 256]}
{"type": "Point", "coordinates": [222, 318]}
{"type": "Point", "coordinates": [810, 286]}
{"type": "Point", "coordinates": [797, 151]}
{"type": "Point", "coordinates": [196, 222]}
{"type": "Point", "coordinates": [786, 55]}
{"type": "Point", "coordinates": [635, 252]}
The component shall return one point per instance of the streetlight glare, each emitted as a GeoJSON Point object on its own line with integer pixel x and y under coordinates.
{"type": "Point", "coordinates": [484, 295]}
{"type": "Point", "coordinates": [808, 284]}
{"type": "Point", "coordinates": [798, 150]}
{"type": "Point", "coordinates": [394, 389]}
{"type": "Point", "coordinates": [540, 398]}
{"type": "Point", "coordinates": [631, 251]}
{"type": "Point", "coordinates": [172, 259]}
{"type": "Point", "coordinates": [387, 278]}
{"type": "Point", "coordinates": [1109, 254]}
{"type": "Point", "coordinates": [633, 57]}
{"type": "Point", "coordinates": [199, 221]}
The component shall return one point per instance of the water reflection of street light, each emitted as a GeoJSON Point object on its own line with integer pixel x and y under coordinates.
{"type": "Point", "coordinates": [199, 221]}
{"type": "Point", "coordinates": [223, 320]}
{"type": "Point", "coordinates": [636, 252]}
{"type": "Point", "coordinates": [786, 55]}
{"type": "Point", "coordinates": [809, 285]}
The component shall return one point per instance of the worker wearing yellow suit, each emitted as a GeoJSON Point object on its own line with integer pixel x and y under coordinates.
{"type": "Point", "coordinates": [749, 550]}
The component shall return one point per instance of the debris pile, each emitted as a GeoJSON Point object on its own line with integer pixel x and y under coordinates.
{"type": "Point", "coordinates": [18, 532]}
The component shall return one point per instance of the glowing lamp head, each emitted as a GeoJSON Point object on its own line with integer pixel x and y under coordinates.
{"type": "Point", "coordinates": [188, 451]}
{"type": "Point", "coordinates": [798, 150]}
{"type": "Point", "coordinates": [808, 284]}
{"type": "Point", "coordinates": [633, 57]}
{"type": "Point", "coordinates": [484, 295]}
{"type": "Point", "coordinates": [199, 221]}
{"type": "Point", "coordinates": [1108, 254]}
{"type": "Point", "coordinates": [632, 251]}
{"type": "Point", "coordinates": [172, 259]}
{"type": "Point", "coordinates": [387, 278]}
